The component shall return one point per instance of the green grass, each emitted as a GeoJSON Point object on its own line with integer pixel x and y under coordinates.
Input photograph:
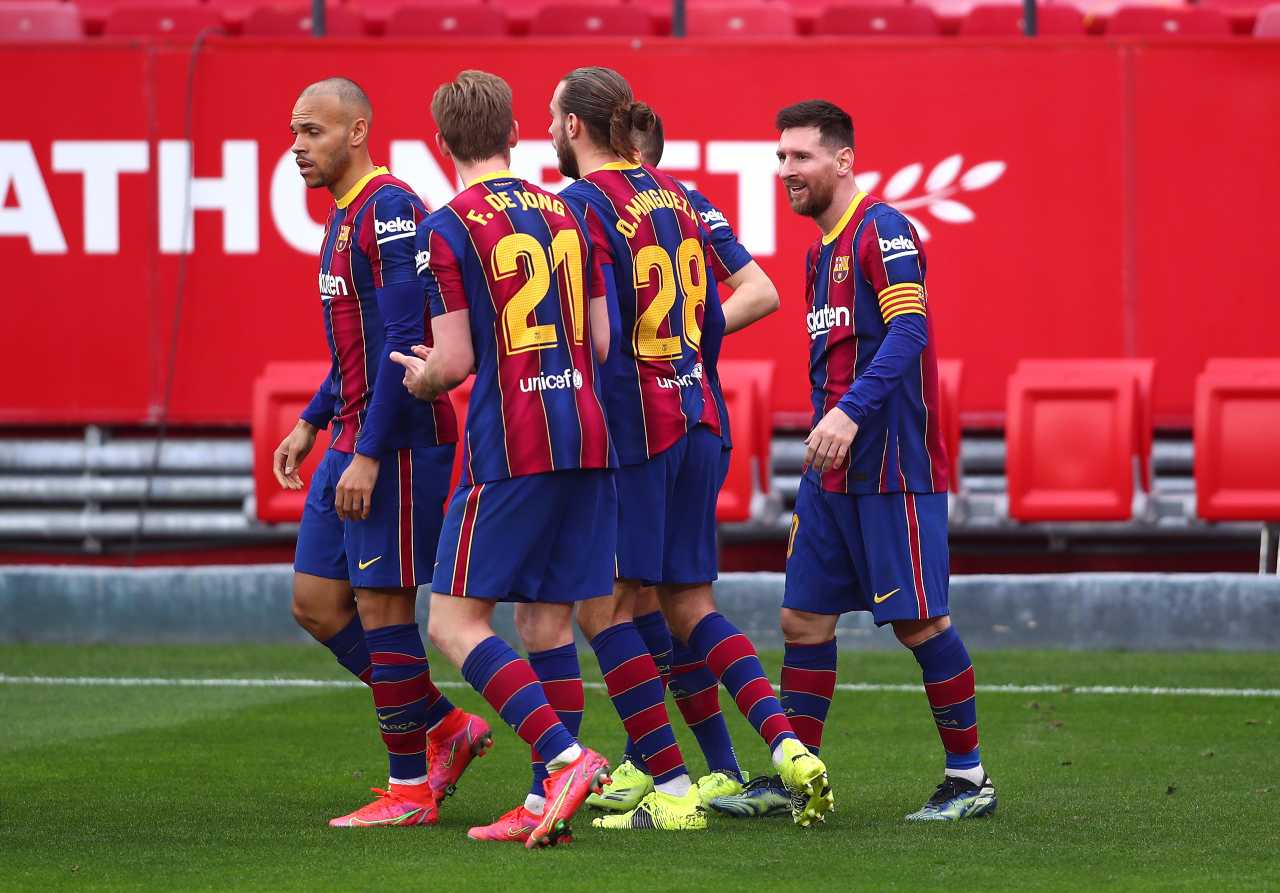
{"type": "Point", "coordinates": [164, 788]}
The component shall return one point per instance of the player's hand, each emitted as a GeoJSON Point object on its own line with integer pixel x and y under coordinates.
{"type": "Point", "coordinates": [415, 372]}
{"type": "Point", "coordinates": [354, 495]}
{"type": "Point", "coordinates": [827, 445]}
{"type": "Point", "coordinates": [288, 457]}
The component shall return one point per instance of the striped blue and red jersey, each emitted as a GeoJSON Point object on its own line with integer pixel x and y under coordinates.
{"type": "Point", "coordinates": [655, 385]}
{"type": "Point", "coordinates": [373, 304]}
{"type": "Point", "coordinates": [526, 265]}
{"type": "Point", "coordinates": [871, 351]}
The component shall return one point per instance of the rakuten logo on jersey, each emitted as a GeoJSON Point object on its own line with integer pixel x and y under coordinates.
{"type": "Point", "coordinates": [824, 319]}
{"type": "Point", "coordinates": [683, 381]}
{"type": "Point", "coordinates": [398, 228]}
{"type": "Point", "coordinates": [898, 245]}
{"type": "Point", "coordinates": [332, 286]}
{"type": "Point", "coordinates": [554, 381]}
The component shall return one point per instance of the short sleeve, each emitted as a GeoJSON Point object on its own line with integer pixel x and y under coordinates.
{"type": "Point", "coordinates": [438, 270]}
{"type": "Point", "coordinates": [724, 251]}
{"type": "Point", "coordinates": [890, 258]}
{"type": "Point", "coordinates": [387, 235]}
{"type": "Point", "coordinates": [601, 253]}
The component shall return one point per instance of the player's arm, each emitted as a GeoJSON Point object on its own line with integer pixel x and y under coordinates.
{"type": "Point", "coordinates": [898, 278]}
{"type": "Point", "coordinates": [753, 294]}
{"type": "Point", "coordinates": [291, 452]}
{"type": "Point", "coordinates": [606, 316]}
{"type": "Point", "coordinates": [431, 371]}
{"type": "Point", "coordinates": [402, 306]}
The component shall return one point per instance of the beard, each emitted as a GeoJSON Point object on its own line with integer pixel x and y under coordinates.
{"type": "Point", "coordinates": [568, 162]}
{"type": "Point", "coordinates": [817, 200]}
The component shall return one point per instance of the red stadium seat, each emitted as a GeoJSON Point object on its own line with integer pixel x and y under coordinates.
{"type": "Point", "coordinates": [40, 21]}
{"type": "Point", "coordinates": [1004, 20]}
{"type": "Point", "coordinates": [280, 394]}
{"type": "Point", "coordinates": [1150, 21]}
{"type": "Point", "coordinates": [761, 20]}
{"type": "Point", "coordinates": [1237, 427]}
{"type": "Point", "coordinates": [94, 12]}
{"type": "Point", "coordinates": [1268, 23]}
{"type": "Point", "coordinates": [913, 21]}
{"type": "Point", "coordinates": [734, 500]}
{"type": "Point", "coordinates": [1142, 371]}
{"type": "Point", "coordinates": [590, 20]}
{"type": "Point", "coordinates": [1070, 439]}
{"type": "Point", "coordinates": [378, 11]}
{"type": "Point", "coordinates": [295, 21]}
{"type": "Point", "coordinates": [161, 21]}
{"type": "Point", "coordinates": [950, 374]}
{"type": "Point", "coordinates": [446, 21]}
{"type": "Point", "coordinates": [460, 396]}
{"type": "Point", "coordinates": [757, 441]}
{"type": "Point", "coordinates": [1240, 13]}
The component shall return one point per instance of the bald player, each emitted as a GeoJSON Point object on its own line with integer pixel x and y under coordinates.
{"type": "Point", "coordinates": [375, 505]}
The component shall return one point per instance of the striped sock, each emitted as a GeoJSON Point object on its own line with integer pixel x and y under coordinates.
{"type": "Point", "coordinates": [948, 683]}
{"type": "Point", "coordinates": [511, 688]}
{"type": "Point", "coordinates": [697, 695]}
{"type": "Point", "coordinates": [733, 659]}
{"type": "Point", "coordinates": [657, 638]}
{"type": "Point", "coordinates": [632, 679]}
{"type": "Point", "coordinates": [808, 682]}
{"type": "Point", "coordinates": [349, 648]}
{"type": "Point", "coordinates": [561, 677]}
{"type": "Point", "coordinates": [406, 701]}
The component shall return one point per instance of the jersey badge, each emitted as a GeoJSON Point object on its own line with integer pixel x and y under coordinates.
{"type": "Point", "coordinates": [840, 268]}
{"type": "Point", "coordinates": [344, 238]}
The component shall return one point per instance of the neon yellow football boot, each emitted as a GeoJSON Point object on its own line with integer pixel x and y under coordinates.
{"type": "Point", "coordinates": [660, 812]}
{"type": "Point", "coordinates": [806, 778]}
{"type": "Point", "coordinates": [624, 793]}
{"type": "Point", "coordinates": [717, 784]}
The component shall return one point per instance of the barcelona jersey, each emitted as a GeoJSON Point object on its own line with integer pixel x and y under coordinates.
{"type": "Point", "coordinates": [656, 385]}
{"type": "Point", "coordinates": [525, 264]}
{"type": "Point", "coordinates": [862, 276]}
{"type": "Point", "coordinates": [368, 250]}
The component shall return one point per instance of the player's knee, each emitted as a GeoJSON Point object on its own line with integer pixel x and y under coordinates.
{"type": "Point", "coordinates": [806, 628]}
{"type": "Point", "coordinates": [685, 607]}
{"type": "Point", "coordinates": [913, 633]}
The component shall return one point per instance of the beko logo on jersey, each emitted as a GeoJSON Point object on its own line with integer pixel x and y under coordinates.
{"type": "Point", "coordinates": [397, 225]}
{"type": "Point", "coordinates": [332, 286]}
{"type": "Point", "coordinates": [713, 219]}
{"type": "Point", "coordinates": [683, 381]}
{"type": "Point", "coordinates": [553, 381]}
{"type": "Point", "coordinates": [900, 244]}
{"type": "Point", "coordinates": [422, 260]}
{"type": "Point", "coordinates": [824, 319]}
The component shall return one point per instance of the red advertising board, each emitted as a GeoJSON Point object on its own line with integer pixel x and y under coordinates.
{"type": "Point", "coordinates": [1080, 198]}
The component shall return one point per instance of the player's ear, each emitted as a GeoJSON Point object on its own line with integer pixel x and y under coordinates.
{"type": "Point", "coordinates": [359, 132]}
{"type": "Point", "coordinates": [844, 161]}
{"type": "Point", "coordinates": [514, 136]}
{"type": "Point", "coordinates": [443, 146]}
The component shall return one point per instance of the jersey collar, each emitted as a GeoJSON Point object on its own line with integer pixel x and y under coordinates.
{"type": "Point", "coordinates": [493, 175]}
{"type": "Point", "coordinates": [360, 185]}
{"type": "Point", "coordinates": [828, 238]}
{"type": "Point", "coordinates": [620, 166]}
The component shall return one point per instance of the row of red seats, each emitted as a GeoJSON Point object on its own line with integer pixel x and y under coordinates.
{"type": "Point", "coordinates": [20, 19]}
{"type": "Point", "coordinates": [1078, 430]}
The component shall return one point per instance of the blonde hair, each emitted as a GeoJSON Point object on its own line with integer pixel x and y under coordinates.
{"type": "Point", "coordinates": [474, 115]}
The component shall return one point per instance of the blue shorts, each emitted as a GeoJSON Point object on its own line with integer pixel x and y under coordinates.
{"type": "Point", "coordinates": [880, 552]}
{"type": "Point", "coordinates": [667, 512]}
{"type": "Point", "coordinates": [535, 538]}
{"type": "Point", "coordinates": [393, 547]}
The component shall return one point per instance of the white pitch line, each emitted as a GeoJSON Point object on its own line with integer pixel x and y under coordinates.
{"type": "Point", "coordinates": [160, 681]}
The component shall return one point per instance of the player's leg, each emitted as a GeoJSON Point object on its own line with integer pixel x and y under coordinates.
{"type": "Point", "coordinates": [905, 537]}
{"type": "Point", "coordinates": [630, 673]}
{"type": "Point", "coordinates": [495, 546]}
{"type": "Point", "coordinates": [323, 603]}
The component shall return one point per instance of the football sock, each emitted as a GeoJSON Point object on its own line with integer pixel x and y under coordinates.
{"type": "Point", "coordinates": [535, 803]}
{"type": "Point", "coordinates": [733, 659]}
{"type": "Point", "coordinates": [558, 671]}
{"type": "Point", "coordinates": [631, 677]}
{"type": "Point", "coordinates": [697, 694]}
{"type": "Point", "coordinates": [406, 701]}
{"type": "Point", "coordinates": [948, 683]}
{"type": "Point", "coordinates": [657, 638]}
{"type": "Point", "coordinates": [349, 648]}
{"type": "Point", "coordinates": [564, 758]}
{"type": "Point", "coordinates": [676, 787]}
{"type": "Point", "coordinates": [509, 685]}
{"type": "Point", "coordinates": [808, 682]}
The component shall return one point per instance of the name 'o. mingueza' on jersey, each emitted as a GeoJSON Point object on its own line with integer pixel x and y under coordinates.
{"type": "Point", "coordinates": [657, 387]}
{"type": "Point", "coordinates": [367, 256]}
{"type": "Point", "coordinates": [863, 277]}
{"type": "Point", "coordinates": [526, 264]}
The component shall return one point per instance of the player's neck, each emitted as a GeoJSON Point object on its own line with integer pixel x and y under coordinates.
{"type": "Point", "coordinates": [470, 171]}
{"type": "Point", "coordinates": [592, 159]}
{"type": "Point", "coordinates": [356, 171]}
{"type": "Point", "coordinates": [846, 191]}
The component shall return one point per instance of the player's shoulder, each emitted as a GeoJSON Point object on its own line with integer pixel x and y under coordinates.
{"type": "Point", "coordinates": [886, 229]}
{"type": "Point", "coordinates": [711, 216]}
{"type": "Point", "coordinates": [884, 215]}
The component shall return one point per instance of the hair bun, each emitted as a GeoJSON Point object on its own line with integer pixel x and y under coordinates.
{"type": "Point", "coordinates": [642, 117]}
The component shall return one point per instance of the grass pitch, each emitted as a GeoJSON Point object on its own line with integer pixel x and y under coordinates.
{"type": "Point", "coordinates": [230, 788]}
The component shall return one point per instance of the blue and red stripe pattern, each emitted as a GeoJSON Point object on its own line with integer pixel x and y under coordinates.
{"type": "Point", "coordinates": [368, 244]}
{"type": "Point", "coordinates": [526, 265]}
{"type": "Point", "coordinates": [658, 387]}
{"type": "Point", "coordinates": [510, 686]}
{"type": "Point", "coordinates": [733, 659]}
{"type": "Point", "coordinates": [808, 684]}
{"type": "Point", "coordinates": [408, 704]}
{"type": "Point", "coordinates": [949, 685]}
{"type": "Point", "coordinates": [859, 278]}
{"type": "Point", "coordinates": [559, 673]}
